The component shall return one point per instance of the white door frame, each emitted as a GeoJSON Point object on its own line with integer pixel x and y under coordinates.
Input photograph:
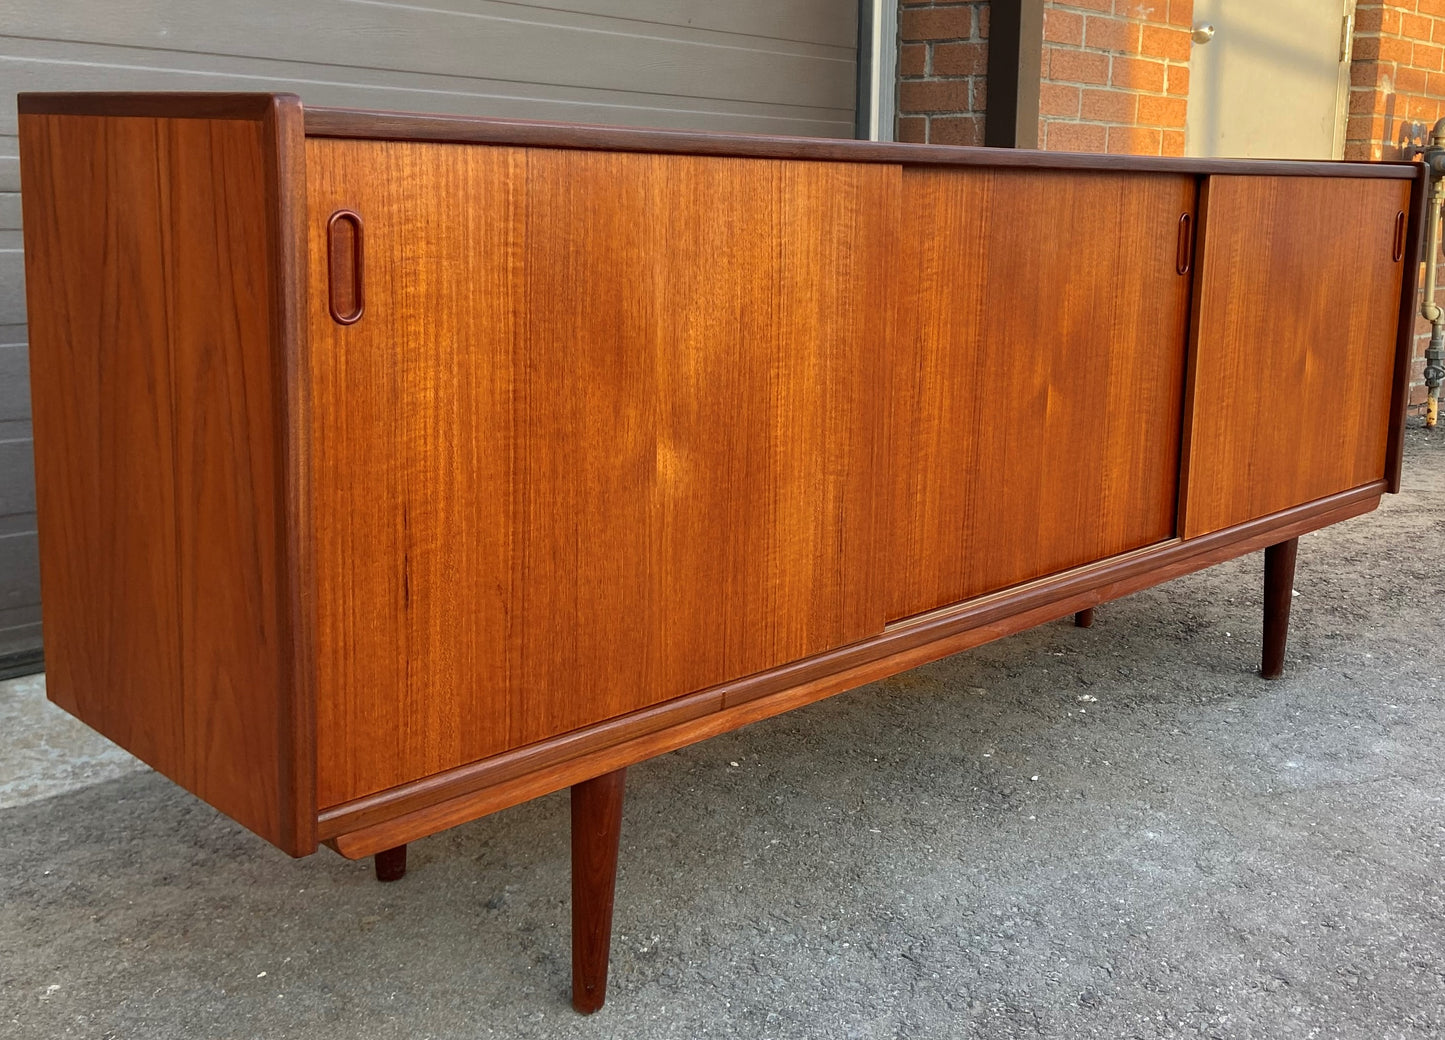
{"type": "Point", "coordinates": [877, 69]}
{"type": "Point", "coordinates": [1342, 91]}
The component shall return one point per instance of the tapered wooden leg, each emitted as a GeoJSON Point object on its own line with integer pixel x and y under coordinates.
{"type": "Point", "coordinates": [1278, 590]}
{"type": "Point", "coordinates": [1085, 618]}
{"type": "Point", "coordinates": [596, 827]}
{"type": "Point", "coordinates": [391, 864]}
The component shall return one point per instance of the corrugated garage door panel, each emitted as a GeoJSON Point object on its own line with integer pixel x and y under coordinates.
{"type": "Point", "coordinates": [19, 569]}
{"type": "Point", "coordinates": [774, 65]}
{"type": "Point", "coordinates": [762, 66]}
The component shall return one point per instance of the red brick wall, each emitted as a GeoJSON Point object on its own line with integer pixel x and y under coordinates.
{"type": "Point", "coordinates": [1397, 91]}
{"type": "Point", "coordinates": [942, 66]}
{"type": "Point", "coordinates": [1115, 74]}
{"type": "Point", "coordinates": [1395, 76]}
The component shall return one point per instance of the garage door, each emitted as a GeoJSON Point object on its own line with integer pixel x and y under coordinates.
{"type": "Point", "coordinates": [765, 66]}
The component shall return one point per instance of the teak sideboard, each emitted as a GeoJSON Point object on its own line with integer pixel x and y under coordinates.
{"type": "Point", "coordinates": [395, 469]}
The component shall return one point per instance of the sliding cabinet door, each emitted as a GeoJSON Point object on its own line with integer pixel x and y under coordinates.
{"type": "Point", "coordinates": [1037, 375]}
{"type": "Point", "coordinates": [1296, 312]}
{"type": "Point", "coordinates": [606, 432]}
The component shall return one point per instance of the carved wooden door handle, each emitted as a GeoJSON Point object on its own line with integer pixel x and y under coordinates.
{"type": "Point", "coordinates": [344, 254]}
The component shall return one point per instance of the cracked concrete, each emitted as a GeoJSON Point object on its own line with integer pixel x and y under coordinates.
{"type": "Point", "coordinates": [1118, 832]}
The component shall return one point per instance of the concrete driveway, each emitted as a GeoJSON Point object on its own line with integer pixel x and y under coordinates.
{"type": "Point", "coordinates": [1118, 832]}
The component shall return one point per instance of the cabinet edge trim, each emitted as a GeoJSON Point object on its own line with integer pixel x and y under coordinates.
{"type": "Point", "coordinates": [283, 127]}
{"type": "Point", "coordinates": [1405, 334]}
{"type": "Point", "coordinates": [462, 129]}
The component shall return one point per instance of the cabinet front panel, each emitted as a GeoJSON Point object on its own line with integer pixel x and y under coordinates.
{"type": "Point", "coordinates": [606, 432]}
{"type": "Point", "coordinates": [1038, 375]}
{"type": "Point", "coordinates": [1296, 314]}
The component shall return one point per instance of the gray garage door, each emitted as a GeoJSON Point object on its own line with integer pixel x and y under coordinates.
{"type": "Point", "coordinates": [767, 66]}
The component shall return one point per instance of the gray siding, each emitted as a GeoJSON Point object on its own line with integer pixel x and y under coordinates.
{"type": "Point", "coordinates": [19, 571]}
{"type": "Point", "coordinates": [761, 66]}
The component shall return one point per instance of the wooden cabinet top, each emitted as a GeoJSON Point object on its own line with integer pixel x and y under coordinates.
{"type": "Point", "coordinates": [411, 126]}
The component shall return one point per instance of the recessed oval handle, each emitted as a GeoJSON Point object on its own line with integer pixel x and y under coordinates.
{"type": "Point", "coordinates": [1399, 236]}
{"type": "Point", "coordinates": [344, 256]}
{"type": "Point", "coordinates": [1184, 248]}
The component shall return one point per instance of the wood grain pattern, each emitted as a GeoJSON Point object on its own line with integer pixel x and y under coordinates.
{"type": "Point", "coordinates": [607, 434]}
{"type": "Point", "coordinates": [1292, 368]}
{"type": "Point", "coordinates": [100, 379]}
{"type": "Point", "coordinates": [285, 186]}
{"type": "Point", "coordinates": [367, 825]}
{"type": "Point", "coordinates": [1036, 377]}
{"type": "Point", "coordinates": [160, 457]}
{"type": "Point", "coordinates": [628, 450]}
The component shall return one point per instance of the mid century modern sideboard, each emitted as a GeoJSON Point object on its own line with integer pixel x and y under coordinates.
{"type": "Point", "coordinates": [395, 469]}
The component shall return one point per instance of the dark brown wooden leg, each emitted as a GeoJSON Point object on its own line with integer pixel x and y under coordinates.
{"type": "Point", "coordinates": [1085, 618]}
{"type": "Point", "coordinates": [1278, 590]}
{"type": "Point", "coordinates": [391, 864]}
{"type": "Point", "coordinates": [596, 827]}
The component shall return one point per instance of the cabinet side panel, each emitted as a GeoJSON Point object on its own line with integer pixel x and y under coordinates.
{"type": "Point", "coordinates": [100, 383]}
{"type": "Point", "coordinates": [1296, 313]}
{"type": "Point", "coordinates": [1037, 376]}
{"type": "Point", "coordinates": [157, 462]}
{"type": "Point", "coordinates": [605, 434]}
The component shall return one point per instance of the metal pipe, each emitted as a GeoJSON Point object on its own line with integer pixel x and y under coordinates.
{"type": "Point", "coordinates": [1431, 310]}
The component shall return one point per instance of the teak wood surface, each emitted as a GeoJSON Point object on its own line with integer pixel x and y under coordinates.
{"type": "Point", "coordinates": [608, 433]}
{"type": "Point", "coordinates": [640, 436]}
{"type": "Point", "coordinates": [152, 267]}
{"type": "Point", "coordinates": [415, 810]}
{"type": "Point", "coordinates": [1035, 376]}
{"type": "Point", "coordinates": [1293, 369]}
